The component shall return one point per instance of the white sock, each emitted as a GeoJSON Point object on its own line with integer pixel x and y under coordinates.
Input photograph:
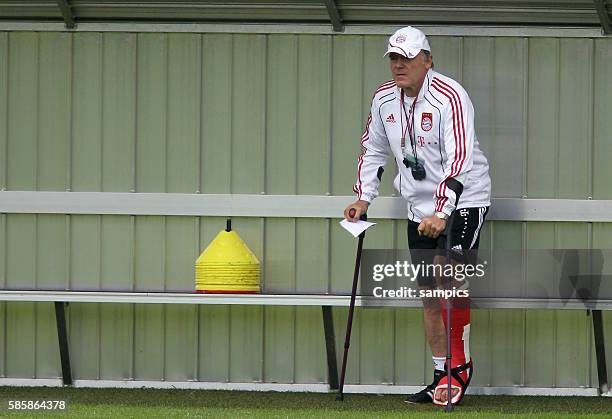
{"type": "Point", "coordinates": [439, 362]}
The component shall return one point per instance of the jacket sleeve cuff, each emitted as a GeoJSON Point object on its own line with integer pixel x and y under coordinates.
{"type": "Point", "coordinates": [448, 209]}
{"type": "Point", "coordinates": [366, 197]}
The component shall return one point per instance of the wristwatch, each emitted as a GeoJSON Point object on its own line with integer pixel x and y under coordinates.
{"type": "Point", "coordinates": [441, 215]}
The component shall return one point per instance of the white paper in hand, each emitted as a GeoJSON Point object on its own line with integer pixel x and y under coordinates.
{"type": "Point", "coordinates": [356, 228]}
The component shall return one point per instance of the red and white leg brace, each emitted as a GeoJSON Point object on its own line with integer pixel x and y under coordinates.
{"type": "Point", "coordinates": [461, 365]}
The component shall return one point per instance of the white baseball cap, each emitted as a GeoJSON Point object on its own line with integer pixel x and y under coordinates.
{"type": "Point", "coordinates": [408, 42]}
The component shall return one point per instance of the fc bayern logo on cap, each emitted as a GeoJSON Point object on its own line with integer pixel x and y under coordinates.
{"type": "Point", "coordinates": [400, 39]}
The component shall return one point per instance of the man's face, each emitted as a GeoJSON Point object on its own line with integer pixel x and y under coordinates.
{"type": "Point", "coordinates": [408, 73]}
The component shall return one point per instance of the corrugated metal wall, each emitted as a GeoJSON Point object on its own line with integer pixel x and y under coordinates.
{"type": "Point", "coordinates": [279, 114]}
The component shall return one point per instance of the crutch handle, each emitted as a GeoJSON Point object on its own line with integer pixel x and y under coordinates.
{"type": "Point", "coordinates": [362, 217]}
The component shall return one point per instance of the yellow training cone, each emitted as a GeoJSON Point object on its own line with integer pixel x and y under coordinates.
{"type": "Point", "coordinates": [227, 265]}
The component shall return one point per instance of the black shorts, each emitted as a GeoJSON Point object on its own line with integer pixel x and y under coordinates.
{"type": "Point", "coordinates": [465, 236]}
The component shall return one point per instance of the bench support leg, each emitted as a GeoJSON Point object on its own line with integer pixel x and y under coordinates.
{"type": "Point", "coordinates": [330, 346]}
{"type": "Point", "coordinates": [62, 337]}
{"type": "Point", "coordinates": [600, 351]}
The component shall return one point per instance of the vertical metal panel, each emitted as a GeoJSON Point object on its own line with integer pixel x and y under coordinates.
{"type": "Point", "coordinates": [184, 76]}
{"type": "Point", "coordinates": [20, 340]}
{"type": "Point", "coordinates": [312, 247]}
{"type": "Point", "coordinates": [341, 259]}
{"type": "Point", "coordinates": [148, 342]}
{"type": "Point", "coordinates": [51, 273]}
{"type": "Point", "coordinates": [496, 89]}
{"type": "Point", "coordinates": [150, 232]}
{"type": "Point", "coordinates": [151, 114]}
{"type": "Point", "coordinates": [279, 275]}
{"type": "Point", "coordinates": [347, 119]}
{"type": "Point", "coordinates": [543, 125]}
{"type": "Point", "coordinates": [575, 117]}
{"type": "Point", "coordinates": [116, 247]}
{"type": "Point", "coordinates": [248, 113]}
{"type": "Point", "coordinates": [314, 125]}
{"type": "Point", "coordinates": [116, 253]}
{"type": "Point", "coordinates": [4, 89]}
{"type": "Point", "coordinates": [310, 356]}
{"type": "Point", "coordinates": [480, 321]}
{"type": "Point", "coordinates": [279, 344]}
{"type": "Point", "coordinates": [506, 326]}
{"type": "Point", "coordinates": [116, 320]}
{"type": "Point", "coordinates": [280, 158]}
{"type": "Point", "coordinates": [85, 274]}
{"type": "Point", "coordinates": [184, 84]}
{"type": "Point", "coordinates": [281, 114]}
{"type": "Point", "coordinates": [86, 170]}
{"type": "Point", "coordinates": [246, 322]}
{"type": "Point", "coordinates": [480, 342]}
{"type": "Point", "coordinates": [312, 160]}
{"type": "Point", "coordinates": [602, 123]}
{"type": "Point", "coordinates": [149, 273]}
{"type": "Point", "coordinates": [540, 363]}
{"type": "Point", "coordinates": [217, 116]}
{"type": "Point", "coordinates": [214, 343]}
{"type": "Point", "coordinates": [480, 71]}
{"type": "Point", "coordinates": [377, 349]}
{"type": "Point", "coordinates": [118, 111]}
{"type": "Point", "coordinates": [347, 110]}
{"type": "Point", "coordinates": [602, 239]}
{"type": "Point", "coordinates": [21, 318]}
{"type": "Point", "coordinates": [149, 253]}
{"type": "Point", "coordinates": [180, 321]}
{"type": "Point", "coordinates": [447, 54]}
{"type": "Point", "coordinates": [510, 118]}
{"type": "Point", "coordinates": [214, 322]}
{"type": "Point", "coordinates": [3, 307]}
{"type": "Point", "coordinates": [572, 353]}
{"type": "Point", "coordinates": [246, 344]}
{"type": "Point", "coordinates": [377, 361]}
{"type": "Point", "coordinates": [412, 355]}
{"type": "Point", "coordinates": [54, 133]}
{"type": "Point", "coordinates": [86, 159]}
{"type": "Point", "coordinates": [55, 80]}
{"type": "Point", "coordinates": [23, 101]}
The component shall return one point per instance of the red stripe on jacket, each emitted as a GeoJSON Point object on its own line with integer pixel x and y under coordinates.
{"type": "Point", "coordinates": [459, 133]}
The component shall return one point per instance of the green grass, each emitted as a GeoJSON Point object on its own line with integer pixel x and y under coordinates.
{"type": "Point", "coordinates": [136, 403]}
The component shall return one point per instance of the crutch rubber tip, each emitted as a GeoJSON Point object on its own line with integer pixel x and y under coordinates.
{"type": "Point", "coordinates": [340, 397]}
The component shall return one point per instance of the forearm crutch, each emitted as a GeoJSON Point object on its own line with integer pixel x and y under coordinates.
{"type": "Point", "coordinates": [349, 322]}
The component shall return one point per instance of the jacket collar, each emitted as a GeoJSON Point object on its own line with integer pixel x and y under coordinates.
{"type": "Point", "coordinates": [424, 88]}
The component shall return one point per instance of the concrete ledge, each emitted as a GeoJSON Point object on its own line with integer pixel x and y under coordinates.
{"type": "Point", "coordinates": [302, 388]}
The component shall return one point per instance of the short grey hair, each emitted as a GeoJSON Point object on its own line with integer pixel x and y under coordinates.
{"type": "Point", "coordinates": [428, 56]}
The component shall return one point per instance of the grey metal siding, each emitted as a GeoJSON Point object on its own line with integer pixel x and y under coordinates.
{"type": "Point", "coordinates": [274, 114]}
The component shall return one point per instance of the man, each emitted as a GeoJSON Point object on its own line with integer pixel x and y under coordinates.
{"type": "Point", "coordinates": [426, 121]}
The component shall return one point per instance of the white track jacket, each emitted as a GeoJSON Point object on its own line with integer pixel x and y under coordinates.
{"type": "Point", "coordinates": [444, 138]}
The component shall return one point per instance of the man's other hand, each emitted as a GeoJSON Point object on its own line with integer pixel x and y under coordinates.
{"type": "Point", "coordinates": [431, 226]}
{"type": "Point", "coordinates": [354, 211]}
